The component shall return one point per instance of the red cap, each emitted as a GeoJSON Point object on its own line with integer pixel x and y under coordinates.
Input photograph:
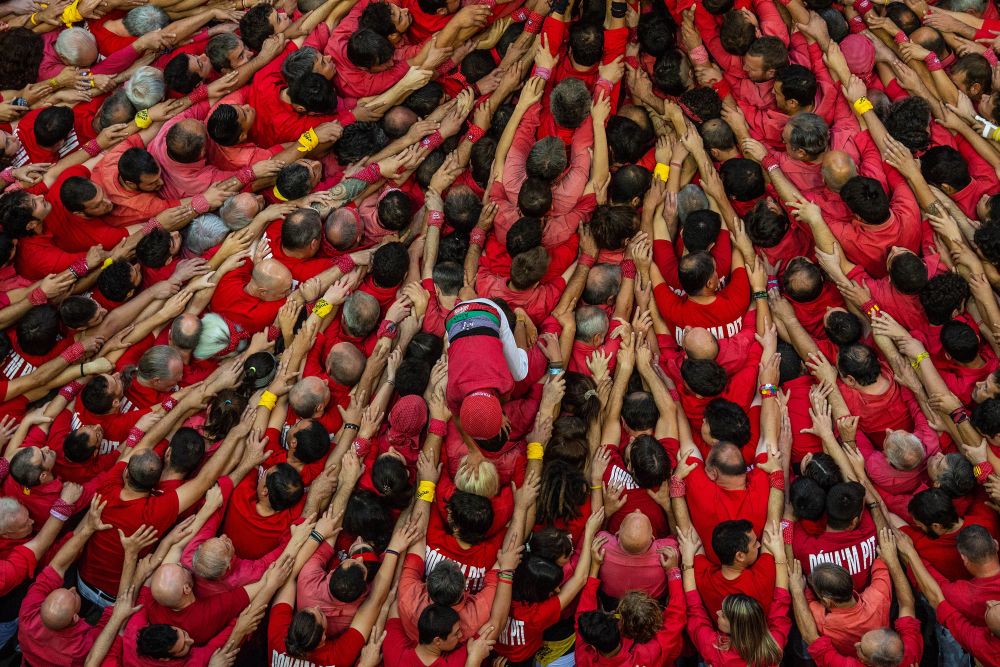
{"type": "Point", "coordinates": [481, 415]}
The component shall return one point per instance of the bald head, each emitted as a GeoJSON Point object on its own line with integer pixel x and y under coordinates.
{"type": "Point", "coordinates": [60, 609]}
{"type": "Point", "coordinates": [881, 647]}
{"type": "Point", "coordinates": [185, 331]}
{"type": "Point", "coordinates": [699, 343]}
{"type": "Point", "coordinates": [171, 585]}
{"type": "Point", "coordinates": [345, 364]}
{"type": "Point", "coordinates": [212, 558]}
{"type": "Point", "coordinates": [309, 397]}
{"type": "Point", "coordinates": [341, 229]}
{"type": "Point", "coordinates": [186, 141]}
{"type": "Point", "coordinates": [635, 535]}
{"type": "Point", "coordinates": [398, 120]}
{"type": "Point", "coordinates": [837, 169]}
{"type": "Point", "coordinates": [239, 210]}
{"type": "Point", "coordinates": [273, 279]}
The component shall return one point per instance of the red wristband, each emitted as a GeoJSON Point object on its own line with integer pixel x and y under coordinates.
{"type": "Point", "coordinates": [200, 204]}
{"type": "Point", "coordinates": [7, 175]}
{"type": "Point", "coordinates": [474, 134]}
{"type": "Point", "coordinates": [79, 268]}
{"type": "Point", "coordinates": [628, 269]}
{"type": "Point", "coordinates": [982, 471]}
{"type": "Point", "coordinates": [933, 62]}
{"type": "Point", "coordinates": [863, 6]}
{"type": "Point", "coordinates": [435, 218]}
{"type": "Point", "coordinates": [273, 332]}
{"type": "Point", "coordinates": [678, 487]}
{"type": "Point", "coordinates": [786, 531]}
{"type": "Point", "coordinates": [770, 162]}
{"type": "Point", "coordinates": [431, 141]}
{"type": "Point", "coordinates": [38, 297]}
{"type": "Point", "coordinates": [370, 174]}
{"type": "Point", "coordinates": [438, 427]}
{"type": "Point", "coordinates": [900, 37]}
{"type": "Point", "coordinates": [62, 509]}
{"type": "Point", "coordinates": [199, 94]}
{"type": "Point", "coordinates": [345, 264]}
{"type": "Point", "coordinates": [776, 480]}
{"type": "Point", "coordinates": [246, 176]}
{"type": "Point", "coordinates": [169, 404]}
{"type": "Point", "coordinates": [150, 226]}
{"type": "Point", "coordinates": [587, 260]}
{"type": "Point", "coordinates": [134, 436]}
{"type": "Point", "coordinates": [856, 25]}
{"type": "Point", "coordinates": [388, 329]}
{"type": "Point", "coordinates": [477, 237]}
{"type": "Point", "coordinates": [991, 57]}
{"type": "Point", "coordinates": [92, 148]}
{"type": "Point", "coordinates": [73, 353]}
{"type": "Point", "coordinates": [71, 390]}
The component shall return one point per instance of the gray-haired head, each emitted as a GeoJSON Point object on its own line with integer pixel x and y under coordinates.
{"type": "Point", "coordinates": [691, 198]}
{"type": "Point", "coordinates": [299, 63]}
{"type": "Point", "coordinates": [903, 450]}
{"type": "Point", "coordinates": [808, 133]}
{"type": "Point", "coordinates": [159, 363]}
{"type": "Point", "coordinates": [9, 510]}
{"type": "Point", "coordinates": [219, 49]}
{"type": "Point", "coordinates": [147, 18]}
{"type": "Point", "coordinates": [570, 102]}
{"type": "Point", "coordinates": [145, 88]}
{"type": "Point", "coordinates": [239, 210]}
{"type": "Point", "coordinates": [77, 47]}
{"type": "Point", "coordinates": [591, 323]}
{"type": "Point", "coordinates": [214, 338]}
{"type": "Point", "coordinates": [546, 159]}
{"type": "Point", "coordinates": [360, 314]}
{"type": "Point", "coordinates": [446, 583]}
{"type": "Point", "coordinates": [185, 331]}
{"type": "Point", "coordinates": [205, 232]}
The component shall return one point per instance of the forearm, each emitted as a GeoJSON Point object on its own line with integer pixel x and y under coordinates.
{"type": "Point", "coordinates": [803, 617]}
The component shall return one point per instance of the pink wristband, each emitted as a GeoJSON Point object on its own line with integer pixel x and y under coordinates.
{"type": "Point", "coordinates": [438, 427]}
{"type": "Point", "coordinates": [477, 237]}
{"type": "Point", "coordinates": [678, 488]}
{"type": "Point", "coordinates": [150, 226]}
{"type": "Point", "coordinates": [430, 142]}
{"type": "Point", "coordinates": [8, 175]}
{"type": "Point", "coordinates": [933, 62]}
{"type": "Point", "coordinates": [604, 82]}
{"type": "Point", "coordinates": [199, 94]}
{"type": "Point", "coordinates": [38, 297]}
{"type": "Point", "coordinates": [786, 531]}
{"type": "Point", "coordinates": [474, 134]}
{"type": "Point", "coordinates": [73, 353]}
{"type": "Point", "coordinates": [674, 574]}
{"type": "Point", "coordinates": [79, 268]}
{"type": "Point", "coordinates": [628, 269]}
{"type": "Point", "coordinates": [71, 390]}
{"type": "Point", "coordinates": [435, 218]}
{"type": "Point", "coordinates": [246, 176]}
{"type": "Point", "coordinates": [345, 264]}
{"type": "Point", "coordinates": [699, 55]}
{"type": "Point", "coordinates": [991, 57]}
{"type": "Point", "coordinates": [134, 436]}
{"type": "Point", "coordinates": [273, 332]}
{"type": "Point", "coordinates": [62, 510]}
{"type": "Point", "coordinates": [900, 37]}
{"type": "Point", "coordinates": [4, 468]}
{"type": "Point", "coordinates": [200, 204]}
{"type": "Point", "coordinates": [92, 148]}
{"type": "Point", "coordinates": [863, 6]}
{"type": "Point", "coordinates": [543, 72]}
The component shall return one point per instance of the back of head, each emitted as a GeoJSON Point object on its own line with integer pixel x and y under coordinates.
{"type": "Point", "coordinates": [960, 341]}
{"type": "Point", "coordinates": [528, 268]}
{"type": "Point", "coordinates": [833, 582]}
{"type": "Point", "coordinates": [649, 462]}
{"type": "Point", "coordinates": [730, 538]}
{"type": "Point", "coordinates": [586, 43]}
{"type": "Point", "coordinates": [933, 506]}
{"type": "Point", "coordinates": [945, 166]}
{"type": "Point", "coordinates": [701, 230]}
{"type": "Point", "coordinates": [314, 93]}
{"type": "Point", "coordinates": [535, 579]}
{"type": "Point", "coordinates": [727, 459]}
{"type": "Point", "coordinates": [446, 584]}
{"type": "Point", "coordinates": [944, 294]}
{"type": "Point", "coordinates": [705, 377]}
{"type": "Point", "coordinates": [860, 363]}
{"type": "Point", "coordinates": [436, 622]}
{"type": "Point", "coordinates": [570, 103]}
{"type": "Point", "coordinates": [866, 199]}
{"type": "Point", "coordinates": [808, 133]}
{"type": "Point", "coordinates": [728, 421]}
{"type": "Point", "coordinates": [808, 499]}
{"type": "Point", "coordinates": [743, 179]}
{"type": "Point", "coordinates": [547, 159]}
{"type": "Point", "coordinates": [694, 270]}
{"type": "Point", "coordinates": [472, 516]}
{"type": "Point", "coordinates": [976, 544]}
{"type": "Point", "coordinates": [844, 503]}
{"type": "Point", "coordinates": [255, 26]}
{"type": "Point", "coordinates": [600, 630]}
{"type": "Point", "coordinates": [284, 487]}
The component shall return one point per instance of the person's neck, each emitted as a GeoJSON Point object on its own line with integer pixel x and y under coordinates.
{"type": "Point", "coordinates": [125, 185]}
{"type": "Point", "coordinates": [298, 254]}
{"type": "Point", "coordinates": [978, 362]}
{"type": "Point", "coordinates": [264, 509]}
{"type": "Point", "coordinates": [986, 570]}
{"type": "Point", "coordinates": [427, 654]}
{"type": "Point", "coordinates": [185, 355]}
{"type": "Point", "coordinates": [878, 387]}
{"type": "Point", "coordinates": [171, 475]}
{"type": "Point", "coordinates": [185, 603]}
{"type": "Point", "coordinates": [131, 494]}
{"type": "Point", "coordinates": [732, 482]}
{"type": "Point", "coordinates": [850, 604]}
{"type": "Point", "coordinates": [704, 298]}
{"type": "Point", "coordinates": [611, 654]}
{"type": "Point", "coordinates": [731, 572]}
{"type": "Point", "coordinates": [957, 527]}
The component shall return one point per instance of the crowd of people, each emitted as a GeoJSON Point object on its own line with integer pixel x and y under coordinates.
{"type": "Point", "coordinates": [441, 333]}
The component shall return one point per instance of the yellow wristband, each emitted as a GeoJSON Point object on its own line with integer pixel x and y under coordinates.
{"type": "Point", "coordinates": [54, 82]}
{"type": "Point", "coordinates": [72, 14]}
{"type": "Point", "coordinates": [322, 308]}
{"type": "Point", "coordinates": [425, 491]}
{"type": "Point", "coordinates": [108, 262]}
{"type": "Point", "coordinates": [142, 119]}
{"type": "Point", "coordinates": [267, 400]}
{"type": "Point", "coordinates": [308, 141]}
{"type": "Point", "coordinates": [536, 451]}
{"type": "Point", "coordinates": [995, 136]}
{"type": "Point", "coordinates": [662, 171]}
{"type": "Point", "coordinates": [862, 105]}
{"type": "Point", "coordinates": [919, 360]}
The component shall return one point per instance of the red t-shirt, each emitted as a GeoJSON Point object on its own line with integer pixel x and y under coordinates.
{"type": "Point", "coordinates": [723, 317]}
{"type": "Point", "coordinates": [254, 535]}
{"type": "Point", "coordinates": [757, 581]}
{"type": "Point", "coordinates": [101, 565]}
{"type": "Point", "coordinates": [340, 652]}
{"type": "Point", "coordinates": [473, 562]}
{"type": "Point", "coordinates": [205, 617]}
{"type": "Point", "coordinates": [399, 650]}
{"type": "Point", "coordinates": [635, 498]}
{"type": "Point", "coordinates": [853, 550]}
{"type": "Point", "coordinates": [522, 636]}
{"type": "Point", "coordinates": [711, 504]}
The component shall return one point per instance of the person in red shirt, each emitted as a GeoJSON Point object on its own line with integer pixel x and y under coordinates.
{"type": "Point", "coordinates": [262, 509]}
{"type": "Point", "coordinates": [936, 527]}
{"type": "Point", "coordinates": [900, 645]}
{"type": "Point", "coordinates": [744, 569]}
{"type": "Point", "coordinates": [51, 631]}
{"type": "Point", "coordinates": [252, 295]}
